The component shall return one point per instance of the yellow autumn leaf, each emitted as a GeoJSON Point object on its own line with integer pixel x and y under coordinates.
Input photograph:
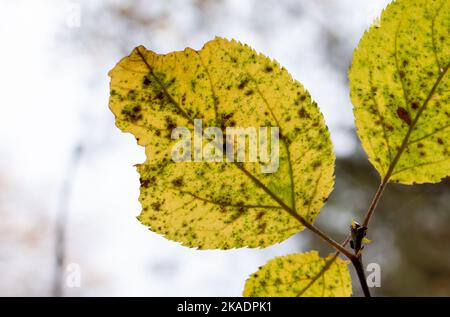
{"type": "Point", "coordinates": [301, 274]}
{"type": "Point", "coordinates": [400, 90]}
{"type": "Point", "coordinates": [209, 204]}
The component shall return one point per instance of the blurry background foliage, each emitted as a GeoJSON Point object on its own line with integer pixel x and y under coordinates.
{"type": "Point", "coordinates": [60, 153]}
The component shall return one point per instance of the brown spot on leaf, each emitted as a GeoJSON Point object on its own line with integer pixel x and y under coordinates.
{"type": "Point", "coordinates": [262, 228]}
{"type": "Point", "coordinates": [260, 215]}
{"type": "Point", "coordinates": [249, 92]}
{"type": "Point", "coordinates": [160, 96]}
{"type": "Point", "coordinates": [146, 82]}
{"type": "Point", "coordinates": [131, 115]}
{"type": "Point", "coordinates": [178, 182]}
{"type": "Point", "coordinates": [170, 124]}
{"type": "Point", "coordinates": [156, 206]}
{"type": "Point", "coordinates": [243, 83]}
{"type": "Point", "coordinates": [268, 69]}
{"type": "Point", "coordinates": [404, 115]}
{"type": "Point", "coordinates": [302, 113]}
{"type": "Point", "coordinates": [144, 182]}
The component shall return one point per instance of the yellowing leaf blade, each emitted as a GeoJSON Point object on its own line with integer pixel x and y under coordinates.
{"type": "Point", "coordinates": [400, 90]}
{"type": "Point", "coordinates": [301, 274]}
{"type": "Point", "coordinates": [221, 204]}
